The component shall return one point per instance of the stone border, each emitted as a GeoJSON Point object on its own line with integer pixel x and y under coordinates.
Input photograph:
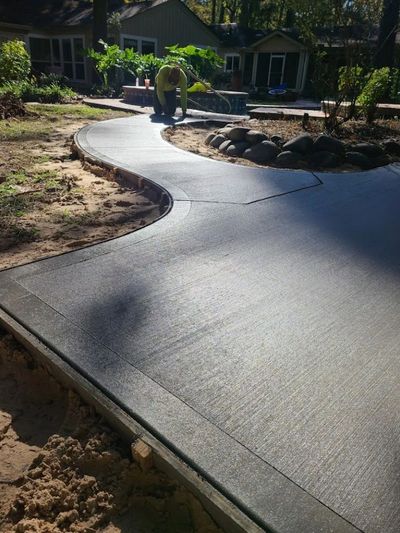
{"type": "Point", "coordinates": [279, 168]}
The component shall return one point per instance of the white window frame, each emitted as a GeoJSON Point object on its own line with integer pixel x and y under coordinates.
{"type": "Point", "coordinates": [281, 55]}
{"type": "Point", "coordinates": [60, 39]}
{"type": "Point", "coordinates": [139, 40]}
{"type": "Point", "coordinates": [231, 55]}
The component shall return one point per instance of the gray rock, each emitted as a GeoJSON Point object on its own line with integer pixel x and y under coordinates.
{"type": "Point", "coordinates": [217, 141]}
{"type": "Point", "coordinates": [209, 138]}
{"type": "Point", "coordinates": [237, 149]}
{"type": "Point", "coordinates": [223, 146]}
{"type": "Point", "coordinates": [381, 160]}
{"type": "Point", "coordinates": [277, 139]}
{"type": "Point", "coordinates": [255, 137]}
{"type": "Point", "coordinates": [324, 159]}
{"type": "Point", "coordinates": [391, 147]}
{"type": "Point", "coordinates": [359, 160]}
{"type": "Point", "coordinates": [302, 144]}
{"type": "Point", "coordinates": [288, 158]}
{"type": "Point", "coordinates": [325, 143]}
{"type": "Point", "coordinates": [238, 133]}
{"type": "Point", "coordinates": [369, 149]}
{"type": "Point", "coordinates": [225, 130]}
{"type": "Point", "coordinates": [263, 152]}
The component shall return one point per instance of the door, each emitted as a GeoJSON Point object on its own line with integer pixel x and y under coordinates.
{"type": "Point", "coordinates": [276, 70]}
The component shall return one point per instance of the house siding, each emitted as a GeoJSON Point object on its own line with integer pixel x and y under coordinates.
{"type": "Point", "coordinates": [169, 23]}
{"type": "Point", "coordinates": [278, 45]}
{"type": "Point", "coordinates": [9, 34]}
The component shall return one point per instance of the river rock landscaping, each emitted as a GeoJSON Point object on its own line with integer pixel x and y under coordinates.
{"type": "Point", "coordinates": [287, 145]}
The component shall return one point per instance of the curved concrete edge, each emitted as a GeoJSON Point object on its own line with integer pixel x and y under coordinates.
{"type": "Point", "coordinates": [225, 514]}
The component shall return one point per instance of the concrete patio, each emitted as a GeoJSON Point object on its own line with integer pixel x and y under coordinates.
{"type": "Point", "coordinates": [255, 328]}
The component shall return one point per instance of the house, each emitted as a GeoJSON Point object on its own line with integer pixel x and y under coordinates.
{"type": "Point", "coordinates": [265, 58]}
{"type": "Point", "coordinates": [56, 32]}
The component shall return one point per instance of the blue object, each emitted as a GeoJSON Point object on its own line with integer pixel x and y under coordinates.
{"type": "Point", "coordinates": [278, 90]}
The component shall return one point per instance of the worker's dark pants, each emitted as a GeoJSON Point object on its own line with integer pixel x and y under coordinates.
{"type": "Point", "coordinates": [170, 103]}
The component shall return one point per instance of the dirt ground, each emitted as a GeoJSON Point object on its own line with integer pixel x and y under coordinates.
{"type": "Point", "coordinates": [63, 469]}
{"type": "Point", "coordinates": [191, 138]}
{"type": "Point", "coordinates": [49, 203]}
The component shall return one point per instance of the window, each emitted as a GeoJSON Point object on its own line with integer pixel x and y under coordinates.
{"type": "Point", "coordinates": [40, 53]}
{"type": "Point", "coordinates": [143, 45]}
{"type": "Point", "coordinates": [63, 54]}
{"type": "Point", "coordinates": [130, 43]}
{"type": "Point", "coordinates": [232, 62]}
{"type": "Point", "coordinates": [148, 47]}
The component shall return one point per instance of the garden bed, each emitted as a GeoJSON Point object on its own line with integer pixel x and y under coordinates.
{"type": "Point", "coordinates": [49, 202]}
{"type": "Point", "coordinates": [286, 144]}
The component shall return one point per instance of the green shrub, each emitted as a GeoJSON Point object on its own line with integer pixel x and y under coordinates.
{"type": "Point", "coordinates": [204, 61]}
{"type": "Point", "coordinates": [29, 91]}
{"type": "Point", "coordinates": [44, 80]}
{"type": "Point", "coordinates": [110, 59]}
{"type": "Point", "coordinates": [374, 90]}
{"type": "Point", "coordinates": [394, 93]}
{"type": "Point", "coordinates": [15, 63]}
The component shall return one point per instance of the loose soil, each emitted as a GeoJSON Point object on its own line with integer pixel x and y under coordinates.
{"type": "Point", "coordinates": [49, 202]}
{"type": "Point", "coordinates": [63, 469]}
{"type": "Point", "coordinates": [191, 137]}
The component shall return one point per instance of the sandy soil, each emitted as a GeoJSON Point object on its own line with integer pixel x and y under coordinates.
{"type": "Point", "coordinates": [63, 469]}
{"type": "Point", "coordinates": [55, 204]}
{"type": "Point", "coordinates": [191, 138]}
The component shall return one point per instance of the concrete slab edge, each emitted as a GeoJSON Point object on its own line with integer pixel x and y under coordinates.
{"type": "Point", "coordinates": [224, 512]}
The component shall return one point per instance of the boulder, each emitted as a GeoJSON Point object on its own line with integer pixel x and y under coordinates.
{"type": "Point", "coordinates": [369, 149]}
{"type": "Point", "coordinates": [288, 158]}
{"type": "Point", "coordinates": [223, 146]}
{"type": "Point", "coordinates": [217, 141]}
{"type": "Point", "coordinates": [238, 133]}
{"type": "Point", "coordinates": [263, 152]}
{"type": "Point", "coordinates": [302, 144]}
{"type": "Point", "coordinates": [325, 143]}
{"type": "Point", "coordinates": [391, 147]}
{"type": "Point", "coordinates": [381, 160]}
{"type": "Point", "coordinates": [324, 159]}
{"type": "Point", "coordinates": [237, 149]}
{"type": "Point", "coordinates": [255, 137]}
{"type": "Point", "coordinates": [277, 139]}
{"type": "Point", "coordinates": [209, 138]}
{"type": "Point", "coordinates": [225, 130]}
{"type": "Point", "coordinates": [359, 160]}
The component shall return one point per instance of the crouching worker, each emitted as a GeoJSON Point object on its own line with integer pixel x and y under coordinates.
{"type": "Point", "coordinates": [167, 80]}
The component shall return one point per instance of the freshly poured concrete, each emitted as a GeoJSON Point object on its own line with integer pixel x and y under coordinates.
{"type": "Point", "coordinates": [255, 328]}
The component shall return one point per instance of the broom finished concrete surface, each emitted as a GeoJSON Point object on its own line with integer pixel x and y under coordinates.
{"type": "Point", "coordinates": [255, 328]}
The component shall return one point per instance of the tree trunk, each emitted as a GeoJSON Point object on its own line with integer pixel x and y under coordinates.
{"type": "Point", "coordinates": [214, 12]}
{"type": "Point", "coordinates": [99, 23]}
{"type": "Point", "coordinates": [222, 13]}
{"type": "Point", "coordinates": [387, 34]}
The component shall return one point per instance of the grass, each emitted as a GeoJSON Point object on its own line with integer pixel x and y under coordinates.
{"type": "Point", "coordinates": [24, 129]}
{"type": "Point", "coordinates": [71, 110]}
{"type": "Point", "coordinates": [40, 124]}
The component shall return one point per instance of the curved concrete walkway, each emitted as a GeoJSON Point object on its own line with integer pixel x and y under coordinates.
{"type": "Point", "coordinates": [255, 328]}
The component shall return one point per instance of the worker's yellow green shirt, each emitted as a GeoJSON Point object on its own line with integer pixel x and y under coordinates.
{"type": "Point", "coordinates": [164, 85]}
